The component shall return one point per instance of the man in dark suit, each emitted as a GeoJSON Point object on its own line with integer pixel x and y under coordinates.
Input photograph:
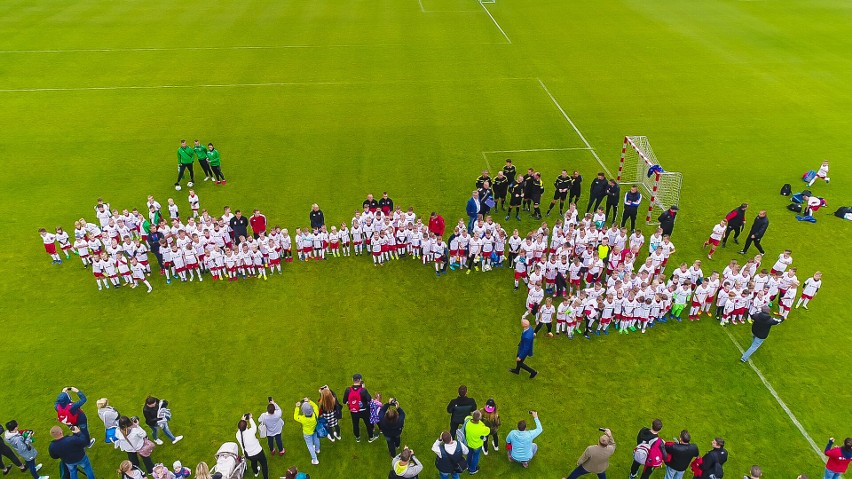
{"type": "Point", "coordinates": [525, 350]}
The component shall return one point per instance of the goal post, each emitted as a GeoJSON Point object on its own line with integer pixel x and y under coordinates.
{"type": "Point", "coordinates": [637, 167]}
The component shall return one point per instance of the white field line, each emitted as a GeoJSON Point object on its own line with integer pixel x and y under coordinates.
{"type": "Point", "coordinates": [577, 130]}
{"type": "Point", "coordinates": [421, 6]}
{"type": "Point", "coordinates": [781, 403]}
{"type": "Point", "coordinates": [233, 47]}
{"type": "Point", "coordinates": [235, 85]}
{"type": "Point", "coordinates": [536, 149]}
{"type": "Point", "coordinates": [487, 163]}
{"type": "Point", "coordinates": [495, 23]}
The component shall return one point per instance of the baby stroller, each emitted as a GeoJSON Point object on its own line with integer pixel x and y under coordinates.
{"type": "Point", "coordinates": [228, 462]}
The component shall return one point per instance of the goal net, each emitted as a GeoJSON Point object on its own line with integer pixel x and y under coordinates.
{"type": "Point", "coordinates": [637, 167]}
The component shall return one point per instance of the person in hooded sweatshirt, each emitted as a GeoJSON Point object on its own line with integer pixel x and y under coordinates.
{"type": "Point", "coordinates": [70, 412]}
{"type": "Point", "coordinates": [109, 416]}
{"type": "Point", "coordinates": [711, 463]}
{"type": "Point", "coordinates": [405, 465]}
{"type": "Point", "coordinates": [24, 446]}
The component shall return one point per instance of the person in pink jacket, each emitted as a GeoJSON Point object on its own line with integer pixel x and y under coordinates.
{"type": "Point", "coordinates": [838, 458]}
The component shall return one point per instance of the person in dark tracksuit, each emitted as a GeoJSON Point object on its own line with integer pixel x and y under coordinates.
{"type": "Point", "coordinates": [536, 189]}
{"type": "Point", "coordinates": [560, 192]}
{"type": "Point", "coordinates": [711, 463]}
{"type": "Point", "coordinates": [576, 187]}
{"type": "Point", "coordinates": [736, 221]}
{"type": "Point", "coordinates": [510, 171]}
{"type": "Point", "coordinates": [667, 220]}
{"type": "Point", "coordinates": [501, 189]}
{"type": "Point", "coordinates": [613, 197]}
{"type": "Point", "coordinates": [597, 192]}
{"type": "Point", "coordinates": [632, 199]}
{"type": "Point", "coordinates": [758, 229]}
{"type": "Point", "coordinates": [460, 408]}
{"type": "Point", "coordinates": [153, 240]}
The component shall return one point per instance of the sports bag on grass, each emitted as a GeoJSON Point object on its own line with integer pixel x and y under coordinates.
{"type": "Point", "coordinates": [795, 207]}
{"type": "Point", "coordinates": [786, 189]}
{"type": "Point", "coordinates": [843, 211]}
{"type": "Point", "coordinates": [808, 176]}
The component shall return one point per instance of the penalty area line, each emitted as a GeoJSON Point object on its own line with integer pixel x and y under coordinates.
{"type": "Point", "coordinates": [495, 23]}
{"type": "Point", "coordinates": [781, 403]}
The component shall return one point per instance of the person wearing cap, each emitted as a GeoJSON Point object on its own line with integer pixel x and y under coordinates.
{"type": "Point", "coordinates": [306, 414]}
{"type": "Point", "coordinates": [491, 418]}
{"type": "Point", "coordinates": [681, 455]}
{"type": "Point", "coordinates": [712, 462]}
{"type": "Point", "coordinates": [667, 220]}
{"type": "Point", "coordinates": [595, 459]}
{"type": "Point", "coordinates": [459, 408]}
{"type": "Point", "coordinates": [520, 441]}
{"type": "Point", "coordinates": [252, 450]}
{"type": "Point", "coordinates": [405, 465]}
{"type": "Point", "coordinates": [525, 350]}
{"type": "Point", "coordinates": [762, 322]}
{"type": "Point", "coordinates": [358, 399]}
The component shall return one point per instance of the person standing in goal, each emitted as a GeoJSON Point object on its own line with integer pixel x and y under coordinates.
{"type": "Point", "coordinates": [632, 199]}
{"type": "Point", "coordinates": [560, 192]}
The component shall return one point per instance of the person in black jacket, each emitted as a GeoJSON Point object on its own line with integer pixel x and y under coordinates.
{"type": "Point", "coordinates": [632, 199]}
{"type": "Point", "coordinates": [536, 189]}
{"type": "Point", "coordinates": [510, 171]}
{"type": "Point", "coordinates": [391, 422]}
{"type": "Point", "coordinates": [153, 241]}
{"type": "Point", "coordinates": [527, 182]}
{"type": "Point", "coordinates": [761, 323]}
{"type": "Point", "coordinates": [576, 188]}
{"type": "Point", "coordinates": [758, 229]}
{"type": "Point", "coordinates": [711, 463]}
{"type": "Point", "coordinates": [613, 196]}
{"type": "Point", "coordinates": [357, 399]}
{"type": "Point", "coordinates": [486, 196]}
{"type": "Point", "coordinates": [646, 435]}
{"type": "Point", "coordinates": [516, 197]}
{"type": "Point", "coordinates": [597, 191]}
{"type": "Point", "coordinates": [560, 191]}
{"type": "Point", "coordinates": [459, 408]}
{"type": "Point", "coordinates": [482, 179]}
{"type": "Point", "coordinates": [386, 204]}
{"type": "Point", "coordinates": [317, 218]}
{"type": "Point", "coordinates": [667, 220]}
{"type": "Point", "coordinates": [239, 226]}
{"type": "Point", "coordinates": [736, 220]}
{"type": "Point", "coordinates": [501, 189]}
{"type": "Point", "coordinates": [682, 453]}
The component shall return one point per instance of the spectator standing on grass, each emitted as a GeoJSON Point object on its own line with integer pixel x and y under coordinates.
{"type": "Point", "coordinates": [595, 459]}
{"type": "Point", "coordinates": [667, 220]}
{"type": "Point", "coordinates": [762, 323]}
{"type": "Point", "coordinates": [450, 461]}
{"type": "Point", "coordinates": [271, 419]}
{"type": "Point", "coordinates": [391, 423]}
{"type": "Point", "coordinates": [386, 204]}
{"type": "Point", "coordinates": [317, 217]}
{"type": "Point", "coordinates": [252, 450]}
{"type": "Point", "coordinates": [525, 350]}
{"type": "Point", "coordinates": [838, 458]}
{"type": "Point", "coordinates": [472, 208]}
{"type": "Point", "coordinates": [24, 446]}
{"type": "Point", "coordinates": [405, 465]}
{"type": "Point", "coordinates": [358, 399]}
{"type": "Point", "coordinates": [712, 462]}
{"type": "Point", "coordinates": [459, 408]}
{"type": "Point", "coordinates": [597, 192]}
{"type": "Point", "coordinates": [649, 436]}
{"type": "Point", "coordinates": [239, 226]}
{"type": "Point", "coordinates": [520, 441]}
{"type": "Point", "coordinates": [436, 224]}
{"type": "Point", "coordinates": [370, 203]}
{"type": "Point", "coordinates": [613, 197]}
{"type": "Point", "coordinates": [131, 440]}
{"type": "Point", "coordinates": [153, 239]}
{"type": "Point", "coordinates": [7, 451]}
{"type": "Point", "coordinates": [330, 410]}
{"type": "Point", "coordinates": [491, 418]}
{"type": "Point", "coordinates": [758, 229]}
{"type": "Point", "coordinates": [736, 221]}
{"type": "Point", "coordinates": [681, 455]}
{"type": "Point", "coordinates": [475, 433]}
{"type": "Point", "coordinates": [632, 200]}
{"type": "Point", "coordinates": [186, 156]}
{"type": "Point", "coordinates": [71, 450]}
{"type": "Point", "coordinates": [258, 223]}
{"type": "Point", "coordinates": [306, 414]}
{"type": "Point", "coordinates": [71, 413]}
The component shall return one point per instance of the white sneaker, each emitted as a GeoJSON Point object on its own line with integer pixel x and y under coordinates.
{"type": "Point", "coordinates": [331, 437]}
{"type": "Point", "coordinates": [43, 477]}
{"type": "Point", "coordinates": [158, 442]}
{"type": "Point", "coordinates": [38, 468]}
{"type": "Point", "coordinates": [91, 442]}
{"type": "Point", "coordinates": [315, 461]}
{"type": "Point", "coordinates": [177, 439]}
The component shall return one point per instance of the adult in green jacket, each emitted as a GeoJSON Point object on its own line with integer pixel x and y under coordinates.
{"type": "Point", "coordinates": [215, 164]}
{"type": "Point", "coordinates": [475, 431]}
{"type": "Point", "coordinates": [201, 154]}
{"type": "Point", "coordinates": [306, 414]}
{"type": "Point", "coordinates": [186, 156]}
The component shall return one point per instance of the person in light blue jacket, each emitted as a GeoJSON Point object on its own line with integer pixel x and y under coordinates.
{"type": "Point", "coordinates": [521, 441]}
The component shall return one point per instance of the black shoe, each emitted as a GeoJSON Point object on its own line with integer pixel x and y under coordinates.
{"type": "Point", "coordinates": [6, 471]}
{"type": "Point", "coordinates": [515, 371]}
{"type": "Point", "coordinates": [724, 245]}
{"type": "Point", "coordinates": [534, 374]}
{"type": "Point", "coordinates": [736, 241]}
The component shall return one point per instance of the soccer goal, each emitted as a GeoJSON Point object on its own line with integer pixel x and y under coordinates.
{"type": "Point", "coordinates": [639, 167]}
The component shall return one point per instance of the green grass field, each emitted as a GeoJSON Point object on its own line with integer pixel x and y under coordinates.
{"type": "Point", "coordinates": [326, 101]}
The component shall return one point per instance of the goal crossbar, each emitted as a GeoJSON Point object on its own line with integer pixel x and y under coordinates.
{"type": "Point", "coordinates": [637, 168]}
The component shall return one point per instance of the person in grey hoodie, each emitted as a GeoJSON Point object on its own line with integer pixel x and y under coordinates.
{"type": "Point", "coordinates": [271, 419]}
{"type": "Point", "coordinates": [405, 465]}
{"type": "Point", "coordinates": [24, 446]}
{"type": "Point", "coordinates": [109, 416]}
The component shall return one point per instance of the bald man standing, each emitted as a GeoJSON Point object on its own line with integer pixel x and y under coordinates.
{"type": "Point", "coordinates": [525, 350]}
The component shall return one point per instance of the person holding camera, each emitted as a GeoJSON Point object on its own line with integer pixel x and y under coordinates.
{"type": "Point", "coordinates": [838, 458]}
{"type": "Point", "coordinates": [450, 461]}
{"type": "Point", "coordinates": [520, 441]}
{"type": "Point", "coordinates": [71, 450]}
{"type": "Point", "coordinates": [271, 420]}
{"type": "Point", "coordinates": [252, 450]}
{"type": "Point", "coordinates": [131, 439]}
{"type": "Point", "coordinates": [71, 413]}
{"type": "Point", "coordinates": [405, 465]}
{"type": "Point", "coordinates": [595, 459]}
{"type": "Point", "coordinates": [391, 422]}
{"type": "Point", "coordinates": [681, 454]}
{"type": "Point", "coordinates": [306, 414]}
{"type": "Point", "coordinates": [331, 411]}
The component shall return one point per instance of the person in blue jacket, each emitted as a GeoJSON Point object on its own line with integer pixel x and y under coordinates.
{"type": "Point", "coordinates": [71, 413]}
{"type": "Point", "coordinates": [525, 350]}
{"type": "Point", "coordinates": [473, 207]}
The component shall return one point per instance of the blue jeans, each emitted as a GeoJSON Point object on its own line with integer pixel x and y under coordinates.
{"type": "Point", "coordinates": [446, 475]}
{"type": "Point", "coordinates": [87, 468]}
{"type": "Point", "coordinates": [831, 475]}
{"type": "Point", "coordinates": [31, 465]}
{"type": "Point", "coordinates": [673, 474]}
{"type": "Point", "coordinates": [473, 459]}
{"type": "Point", "coordinates": [273, 440]}
{"type": "Point", "coordinates": [580, 471]}
{"type": "Point", "coordinates": [470, 223]}
{"type": "Point", "coordinates": [166, 431]}
{"type": "Point", "coordinates": [754, 345]}
{"type": "Point", "coordinates": [312, 441]}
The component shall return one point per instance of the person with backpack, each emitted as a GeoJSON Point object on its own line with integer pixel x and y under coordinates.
{"type": "Point", "coordinates": [450, 461]}
{"type": "Point", "coordinates": [595, 459]}
{"type": "Point", "coordinates": [252, 450]}
{"type": "Point", "coordinates": [712, 462]}
{"type": "Point", "coordinates": [491, 418]}
{"type": "Point", "coordinates": [157, 416]}
{"type": "Point", "coordinates": [758, 229]}
{"type": "Point", "coordinates": [649, 451]}
{"type": "Point", "coordinates": [736, 221]}
{"type": "Point", "coordinates": [838, 458]}
{"type": "Point", "coordinates": [405, 465]}
{"type": "Point", "coordinates": [23, 444]}
{"type": "Point", "coordinates": [459, 408]}
{"type": "Point", "coordinates": [680, 455]}
{"type": "Point", "coordinates": [475, 433]}
{"type": "Point", "coordinates": [358, 401]}
{"type": "Point", "coordinates": [71, 413]}
{"type": "Point", "coordinates": [331, 410]}
{"type": "Point", "coordinates": [391, 423]}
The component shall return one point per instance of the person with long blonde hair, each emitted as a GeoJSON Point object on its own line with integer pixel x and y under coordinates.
{"type": "Point", "coordinates": [330, 410]}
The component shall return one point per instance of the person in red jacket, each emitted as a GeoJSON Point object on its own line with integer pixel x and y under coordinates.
{"type": "Point", "coordinates": [838, 458]}
{"type": "Point", "coordinates": [258, 223]}
{"type": "Point", "coordinates": [436, 224]}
